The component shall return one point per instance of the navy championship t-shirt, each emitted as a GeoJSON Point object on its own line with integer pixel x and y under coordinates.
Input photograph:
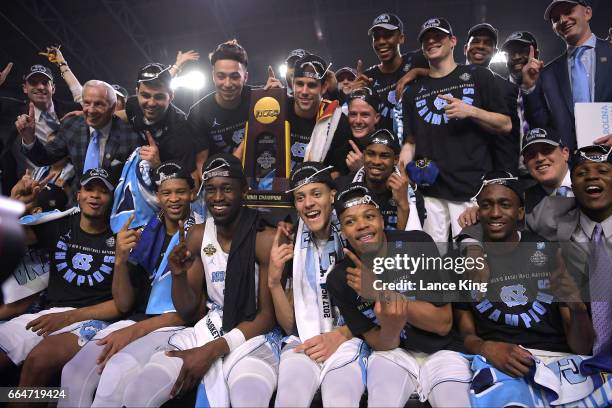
{"type": "Point", "coordinates": [81, 264]}
{"type": "Point", "coordinates": [520, 307]}
{"type": "Point", "coordinates": [459, 147]}
{"type": "Point", "coordinates": [384, 85]}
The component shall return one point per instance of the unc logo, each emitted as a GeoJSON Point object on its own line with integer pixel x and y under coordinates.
{"type": "Point", "coordinates": [513, 295]}
{"type": "Point", "coordinates": [407, 67]}
{"type": "Point", "coordinates": [383, 18]}
{"type": "Point", "coordinates": [432, 22]}
{"type": "Point", "coordinates": [465, 77]}
{"type": "Point", "coordinates": [299, 149]}
{"type": "Point", "coordinates": [82, 261]}
{"type": "Point", "coordinates": [515, 36]}
{"type": "Point", "coordinates": [391, 97]}
{"type": "Point", "coordinates": [536, 133]}
{"type": "Point", "coordinates": [440, 103]}
{"type": "Point", "coordinates": [238, 136]}
{"type": "Point", "coordinates": [110, 242]}
{"type": "Point", "coordinates": [37, 68]}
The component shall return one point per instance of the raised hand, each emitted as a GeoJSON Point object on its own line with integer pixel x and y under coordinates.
{"type": "Point", "coordinates": [5, 72]}
{"type": "Point", "coordinates": [361, 80]}
{"type": "Point", "coordinates": [150, 152]}
{"type": "Point", "coordinates": [354, 160]}
{"type": "Point", "coordinates": [279, 255]}
{"type": "Point", "coordinates": [456, 108]}
{"type": "Point", "coordinates": [181, 258]}
{"type": "Point", "coordinates": [183, 57]}
{"type": "Point", "coordinates": [398, 184]}
{"type": "Point", "coordinates": [531, 70]}
{"type": "Point", "coordinates": [354, 274]}
{"type": "Point", "coordinates": [26, 125]}
{"type": "Point", "coordinates": [127, 239]}
{"type": "Point", "coordinates": [392, 311]}
{"type": "Point", "coordinates": [54, 55]}
{"type": "Point", "coordinates": [272, 81]}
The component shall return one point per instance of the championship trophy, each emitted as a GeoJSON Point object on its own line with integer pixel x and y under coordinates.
{"type": "Point", "coordinates": [266, 158]}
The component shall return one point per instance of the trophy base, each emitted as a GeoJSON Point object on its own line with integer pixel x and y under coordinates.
{"type": "Point", "coordinates": [267, 199]}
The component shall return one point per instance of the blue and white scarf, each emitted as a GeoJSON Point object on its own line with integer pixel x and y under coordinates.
{"type": "Point", "coordinates": [134, 194]}
{"type": "Point", "coordinates": [146, 254]}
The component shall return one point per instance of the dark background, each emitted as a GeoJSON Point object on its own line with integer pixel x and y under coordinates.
{"type": "Point", "coordinates": [111, 39]}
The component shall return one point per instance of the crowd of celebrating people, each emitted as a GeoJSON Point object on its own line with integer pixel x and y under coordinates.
{"type": "Point", "coordinates": [147, 277]}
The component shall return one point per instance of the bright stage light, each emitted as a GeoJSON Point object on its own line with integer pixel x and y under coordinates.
{"type": "Point", "coordinates": [193, 80]}
{"type": "Point", "coordinates": [499, 58]}
{"type": "Point", "coordinates": [282, 70]}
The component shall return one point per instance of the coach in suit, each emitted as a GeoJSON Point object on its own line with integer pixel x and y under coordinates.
{"type": "Point", "coordinates": [95, 139]}
{"type": "Point", "coordinates": [581, 74]}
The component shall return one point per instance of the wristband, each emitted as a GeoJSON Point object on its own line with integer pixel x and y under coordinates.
{"type": "Point", "coordinates": [234, 338]}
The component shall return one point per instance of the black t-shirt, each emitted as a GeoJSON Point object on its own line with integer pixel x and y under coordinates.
{"type": "Point", "coordinates": [81, 264]}
{"type": "Point", "coordinates": [519, 307]}
{"type": "Point", "coordinates": [217, 128]}
{"type": "Point", "coordinates": [459, 147]}
{"type": "Point", "coordinates": [506, 148]}
{"type": "Point", "coordinates": [359, 313]}
{"type": "Point", "coordinates": [173, 141]}
{"type": "Point", "coordinates": [388, 207]}
{"type": "Point", "coordinates": [384, 85]}
{"type": "Point", "coordinates": [301, 132]}
{"type": "Point", "coordinates": [141, 281]}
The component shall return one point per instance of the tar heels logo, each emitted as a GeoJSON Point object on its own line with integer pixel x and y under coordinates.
{"type": "Point", "coordinates": [536, 133]}
{"type": "Point", "coordinates": [299, 149]}
{"type": "Point", "coordinates": [383, 18]}
{"type": "Point", "coordinates": [465, 77]}
{"type": "Point", "coordinates": [513, 295]}
{"type": "Point", "coordinates": [82, 261]}
{"type": "Point", "coordinates": [237, 136]}
{"type": "Point", "coordinates": [432, 22]}
{"type": "Point", "coordinates": [440, 103]}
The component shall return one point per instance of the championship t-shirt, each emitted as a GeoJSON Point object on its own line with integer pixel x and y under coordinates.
{"type": "Point", "coordinates": [359, 313]}
{"type": "Point", "coordinates": [173, 141]}
{"type": "Point", "coordinates": [520, 307]}
{"type": "Point", "coordinates": [217, 128]}
{"type": "Point", "coordinates": [459, 147]}
{"type": "Point", "coordinates": [384, 85]}
{"type": "Point", "coordinates": [81, 264]}
{"type": "Point", "coordinates": [301, 132]}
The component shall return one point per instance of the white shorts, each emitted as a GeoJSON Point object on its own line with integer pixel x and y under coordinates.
{"type": "Point", "coordinates": [442, 216]}
{"type": "Point", "coordinates": [122, 324]}
{"type": "Point", "coordinates": [428, 370]}
{"type": "Point", "coordinates": [17, 342]}
{"type": "Point", "coordinates": [353, 350]}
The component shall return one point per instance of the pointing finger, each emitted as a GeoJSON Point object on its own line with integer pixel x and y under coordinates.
{"type": "Point", "coordinates": [181, 232]}
{"type": "Point", "coordinates": [31, 113]}
{"type": "Point", "coordinates": [270, 72]}
{"type": "Point", "coordinates": [127, 223]}
{"type": "Point", "coordinates": [150, 139]}
{"type": "Point", "coordinates": [531, 52]}
{"type": "Point", "coordinates": [359, 67]}
{"type": "Point", "coordinates": [352, 257]}
{"type": "Point", "coordinates": [354, 146]}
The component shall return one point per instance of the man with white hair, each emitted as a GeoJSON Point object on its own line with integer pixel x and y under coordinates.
{"type": "Point", "coordinates": [96, 139]}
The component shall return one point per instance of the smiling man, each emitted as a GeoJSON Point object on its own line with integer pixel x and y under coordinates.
{"type": "Point", "coordinates": [363, 117]}
{"type": "Point", "coordinates": [95, 139]}
{"type": "Point", "coordinates": [480, 50]}
{"type": "Point", "coordinates": [451, 117]}
{"type": "Point", "coordinates": [580, 74]}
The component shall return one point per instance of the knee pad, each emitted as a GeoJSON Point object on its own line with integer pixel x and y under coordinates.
{"type": "Point", "coordinates": [443, 366]}
{"type": "Point", "coordinates": [116, 373]}
{"type": "Point", "coordinates": [252, 369]}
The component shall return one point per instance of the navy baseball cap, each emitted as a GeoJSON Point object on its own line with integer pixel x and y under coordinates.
{"type": "Point", "coordinates": [439, 24]}
{"type": "Point", "coordinates": [523, 37]}
{"type": "Point", "coordinates": [171, 170]}
{"type": "Point", "coordinates": [120, 91]}
{"type": "Point", "coordinates": [541, 135]}
{"type": "Point", "coordinates": [504, 178]}
{"type": "Point", "coordinates": [38, 69]}
{"type": "Point", "coordinates": [154, 71]}
{"type": "Point", "coordinates": [97, 174]}
{"type": "Point", "coordinates": [387, 21]}
{"type": "Point", "coordinates": [384, 137]}
{"type": "Point", "coordinates": [311, 172]}
{"type": "Point", "coordinates": [484, 27]}
{"type": "Point", "coordinates": [555, 3]}
{"type": "Point", "coordinates": [295, 55]}
{"type": "Point", "coordinates": [346, 71]}
{"type": "Point", "coordinates": [354, 194]}
{"type": "Point", "coordinates": [593, 153]}
{"type": "Point", "coordinates": [222, 165]}
{"type": "Point", "coordinates": [311, 66]}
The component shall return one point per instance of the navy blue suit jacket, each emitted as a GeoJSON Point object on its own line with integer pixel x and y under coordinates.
{"type": "Point", "coordinates": [551, 103]}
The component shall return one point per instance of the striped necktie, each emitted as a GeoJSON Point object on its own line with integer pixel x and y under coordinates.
{"type": "Point", "coordinates": [600, 285]}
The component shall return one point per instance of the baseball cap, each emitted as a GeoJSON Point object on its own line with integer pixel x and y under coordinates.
{"type": "Point", "coordinates": [120, 91]}
{"type": "Point", "coordinates": [367, 95]}
{"type": "Point", "coordinates": [346, 70]}
{"type": "Point", "coordinates": [504, 178]}
{"type": "Point", "coordinates": [310, 172]}
{"type": "Point", "coordinates": [222, 165]}
{"type": "Point", "coordinates": [354, 194]}
{"type": "Point", "coordinates": [171, 170]}
{"type": "Point", "coordinates": [555, 3]}
{"type": "Point", "coordinates": [439, 24]}
{"type": "Point", "coordinates": [387, 21]}
{"type": "Point", "coordinates": [295, 55]}
{"type": "Point", "coordinates": [541, 135]}
{"type": "Point", "coordinates": [592, 153]}
{"type": "Point", "coordinates": [524, 37]}
{"type": "Point", "coordinates": [384, 137]}
{"type": "Point", "coordinates": [52, 197]}
{"type": "Point", "coordinates": [97, 174]}
{"type": "Point", "coordinates": [38, 69]}
{"type": "Point", "coordinates": [315, 63]}
{"type": "Point", "coordinates": [154, 71]}
{"type": "Point", "coordinates": [484, 27]}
